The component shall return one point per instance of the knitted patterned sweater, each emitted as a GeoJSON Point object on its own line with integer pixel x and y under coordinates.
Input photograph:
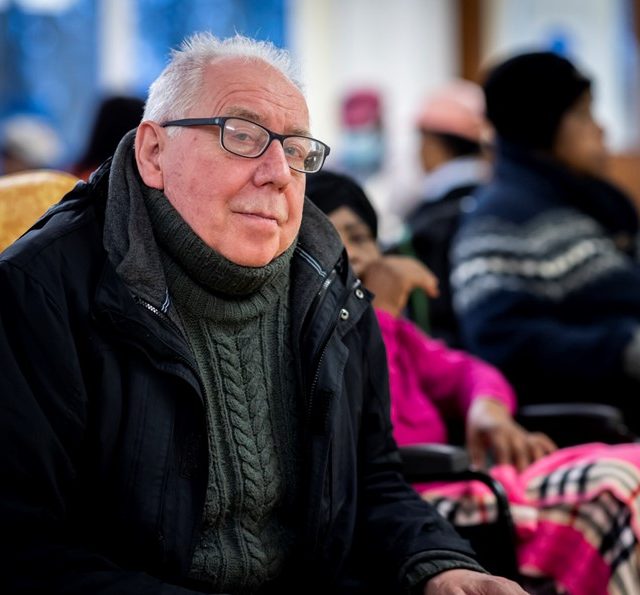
{"type": "Point", "coordinates": [236, 320]}
{"type": "Point", "coordinates": [546, 282]}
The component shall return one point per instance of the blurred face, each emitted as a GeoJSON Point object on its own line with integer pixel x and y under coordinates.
{"type": "Point", "coordinates": [248, 210]}
{"type": "Point", "coordinates": [432, 152]}
{"type": "Point", "coordinates": [579, 142]}
{"type": "Point", "coordinates": [357, 238]}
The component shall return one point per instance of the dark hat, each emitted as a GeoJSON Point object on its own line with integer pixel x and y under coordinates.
{"type": "Point", "coordinates": [329, 191]}
{"type": "Point", "coordinates": [116, 115]}
{"type": "Point", "coordinates": [527, 95]}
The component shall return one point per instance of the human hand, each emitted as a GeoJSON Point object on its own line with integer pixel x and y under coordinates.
{"type": "Point", "coordinates": [393, 278]}
{"type": "Point", "coordinates": [491, 429]}
{"type": "Point", "coordinates": [468, 582]}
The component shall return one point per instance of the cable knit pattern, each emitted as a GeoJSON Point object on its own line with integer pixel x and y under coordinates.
{"type": "Point", "coordinates": [236, 321]}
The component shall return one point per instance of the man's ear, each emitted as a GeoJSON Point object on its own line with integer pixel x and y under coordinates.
{"type": "Point", "coordinates": [149, 144]}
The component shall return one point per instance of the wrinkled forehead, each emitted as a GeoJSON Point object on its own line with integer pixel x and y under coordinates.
{"type": "Point", "coordinates": [254, 86]}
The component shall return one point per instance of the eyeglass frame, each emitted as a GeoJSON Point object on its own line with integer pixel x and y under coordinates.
{"type": "Point", "coordinates": [221, 121]}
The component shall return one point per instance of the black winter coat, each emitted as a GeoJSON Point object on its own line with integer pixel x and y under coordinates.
{"type": "Point", "coordinates": [103, 453]}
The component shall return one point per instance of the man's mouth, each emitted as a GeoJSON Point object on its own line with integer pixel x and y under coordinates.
{"type": "Point", "coordinates": [261, 215]}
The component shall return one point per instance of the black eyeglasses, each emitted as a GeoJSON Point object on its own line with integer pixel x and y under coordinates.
{"type": "Point", "coordinates": [248, 139]}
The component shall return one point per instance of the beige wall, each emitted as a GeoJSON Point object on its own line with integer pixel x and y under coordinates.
{"type": "Point", "coordinates": [404, 48]}
{"type": "Point", "coordinates": [600, 40]}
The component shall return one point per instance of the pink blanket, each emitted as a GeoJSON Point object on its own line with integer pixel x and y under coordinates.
{"type": "Point", "coordinates": [577, 515]}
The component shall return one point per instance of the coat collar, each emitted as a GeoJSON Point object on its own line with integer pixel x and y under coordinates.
{"type": "Point", "coordinates": [319, 250]}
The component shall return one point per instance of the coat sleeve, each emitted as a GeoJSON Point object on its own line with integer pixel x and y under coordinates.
{"type": "Point", "coordinates": [42, 425]}
{"type": "Point", "coordinates": [400, 530]}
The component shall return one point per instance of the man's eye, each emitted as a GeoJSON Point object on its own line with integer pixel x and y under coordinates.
{"type": "Point", "coordinates": [242, 136]}
{"type": "Point", "coordinates": [294, 150]}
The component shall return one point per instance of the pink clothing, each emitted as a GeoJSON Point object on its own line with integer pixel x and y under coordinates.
{"type": "Point", "coordinates": [576, 511]}
{"type": "Point", "coordinates": [429, 382]}
{"type": "Point", "coordinates": [456, 108]}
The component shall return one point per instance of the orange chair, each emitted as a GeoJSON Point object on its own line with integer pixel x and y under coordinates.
{"type": "Point", "coordinates": [26, 196]}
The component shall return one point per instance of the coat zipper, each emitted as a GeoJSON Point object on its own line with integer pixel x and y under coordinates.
{"type": "Point", "coordinates": [162, 316]}
{"type": "Point", "coordinates": [315, 533]}
{"type": "Point", "coordinates": [317, 361]}
{"type": "Point", "coordinates": [167, 321]}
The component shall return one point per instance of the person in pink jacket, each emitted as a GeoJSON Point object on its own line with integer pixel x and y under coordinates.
{"type": "Point", "coordinates": [576, 510]}
{"type": "Point", "coordinates": [430, 383]}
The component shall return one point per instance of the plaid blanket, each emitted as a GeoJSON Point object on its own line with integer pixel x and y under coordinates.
{"type": "Point", "coordinates": [576, 511]}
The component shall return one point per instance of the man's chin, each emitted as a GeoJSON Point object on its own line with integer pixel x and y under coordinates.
{"type": "Point", "coordinates": [253, 258]}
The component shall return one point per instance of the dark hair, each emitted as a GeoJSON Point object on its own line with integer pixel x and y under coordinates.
{"type": "Point", "coordinates": [456, 145]}
{"type": "Point", "coordinates": [528, 94]}
{"type": "Point", "coordinates": [115, 117]}
{"type": "Point", "coordinates": [330, 190]}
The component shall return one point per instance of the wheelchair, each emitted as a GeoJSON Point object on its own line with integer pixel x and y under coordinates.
{"type": "Point", "coordinates": [495, 543]}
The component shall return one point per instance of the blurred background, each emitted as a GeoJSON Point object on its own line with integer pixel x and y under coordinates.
{"type": "Point", "coordinates": [366, 65]}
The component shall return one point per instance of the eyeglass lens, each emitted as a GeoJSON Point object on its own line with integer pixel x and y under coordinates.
{"type": "Point", "coordinates": [250, 140]}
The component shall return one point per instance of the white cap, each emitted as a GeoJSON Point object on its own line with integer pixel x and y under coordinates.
{"type": "Point", "coordinates": [31, 140]}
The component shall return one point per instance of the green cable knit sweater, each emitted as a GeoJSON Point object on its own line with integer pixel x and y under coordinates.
{"type": "Point", "coordinates": [236, 320]}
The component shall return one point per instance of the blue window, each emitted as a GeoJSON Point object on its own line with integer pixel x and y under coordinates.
{"type": "Point", "coordinates": [48, 66]}
{"type": "Point", "coordinates": [49, 57]}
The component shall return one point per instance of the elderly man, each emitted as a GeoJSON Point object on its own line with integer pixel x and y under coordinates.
{"type": "Point", "coordinates": [193, 389]}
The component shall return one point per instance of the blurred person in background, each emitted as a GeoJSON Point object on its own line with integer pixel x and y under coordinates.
{"type": "Point", "coordinates": [363, 142]}
{"type": "Point", "coordinates": [575, 509]}
{"type": "Point", "coordinates": [364, 154]}
{"type": "Point", "coordinates": [115, 117]}
{"type": "Point", "coordinates": [452, 131]}
{"type": "Point", "coordinates": [28, 142]}
{"type": "Point", "coordinates": [546, 278]}
{"type": "Point", "coordinates": [194, 387]}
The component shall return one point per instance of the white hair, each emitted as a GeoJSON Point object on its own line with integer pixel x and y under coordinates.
{"type": "Point", "coordinates": [177, 89]}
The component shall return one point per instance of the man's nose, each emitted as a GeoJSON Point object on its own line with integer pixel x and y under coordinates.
{"type": "Point", "coordinates": [274, 167]}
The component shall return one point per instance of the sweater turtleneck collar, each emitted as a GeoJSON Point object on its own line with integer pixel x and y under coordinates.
{"type": "Point", "coordinates": [212, 271]}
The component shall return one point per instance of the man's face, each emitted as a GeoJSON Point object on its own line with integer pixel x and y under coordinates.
{"type": "Point", "coordinates": [248, 210]}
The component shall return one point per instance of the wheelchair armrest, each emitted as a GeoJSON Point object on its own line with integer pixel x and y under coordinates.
{"type": "Point", "coordinates": [427, 460]}
{"type": "Point", "coordinates": [576, 423]}
{"type": "Point", "coordinates": [424, 463]}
